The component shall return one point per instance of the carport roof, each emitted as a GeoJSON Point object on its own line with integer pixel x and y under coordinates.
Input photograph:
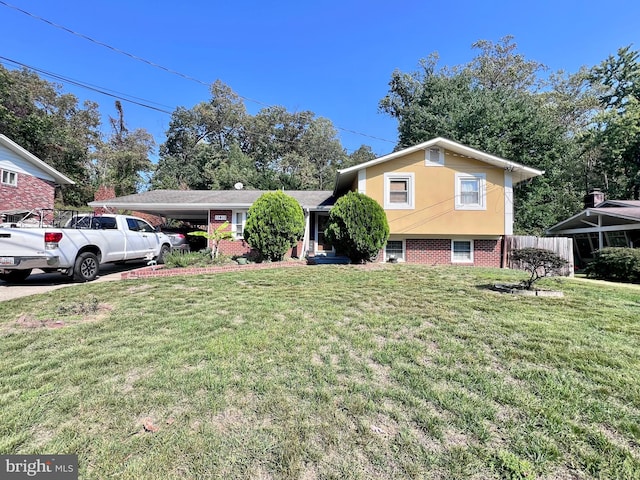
{"type": "Point", "coordinates": [195, 204]}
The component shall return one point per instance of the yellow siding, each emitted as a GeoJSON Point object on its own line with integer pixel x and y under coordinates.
{"type": "Point", "coordinates": [434, 212]}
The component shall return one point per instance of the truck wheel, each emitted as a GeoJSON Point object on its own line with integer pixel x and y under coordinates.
{"type": "Point", "coordinates": [164, 251]}
{"type": "Point", "coordinates": [86, 267]}
{"type": "Point", "coordinates": [15, 276]}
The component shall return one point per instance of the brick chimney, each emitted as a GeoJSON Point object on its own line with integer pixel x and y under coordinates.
{"type": "Point", "coordinates": [103, 193]}
{"type": "Point", "coordinates": [593, 198]}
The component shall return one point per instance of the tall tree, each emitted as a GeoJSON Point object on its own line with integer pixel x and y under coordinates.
{"type": "Point", "coordinates": [199, 139]}
{"type": "Point", "coordinates": [51, 125]}
{"type": "Point", "coordinates": [491, 104]}
{"type": "Point", "coordinates": [123, 160]}
{"type": "Point", "coordinates": [615, 135]}
{"type": "Point", "coordinates": [217, 144]}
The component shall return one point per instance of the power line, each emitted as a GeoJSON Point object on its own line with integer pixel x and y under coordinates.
{"type": "Point", "coordinates": [122, 96]}
{"type": "Point", "coordinates": [161, 67]}
{"type": "Point", "coordinates": [104, 91]}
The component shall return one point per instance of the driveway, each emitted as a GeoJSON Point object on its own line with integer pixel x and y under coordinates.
{"type": "Point", "coordinates": [40, 282]}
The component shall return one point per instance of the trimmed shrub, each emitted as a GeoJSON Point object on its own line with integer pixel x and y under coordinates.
{"type": "Point", "coordinates": [275, 223]}
{"type": "Point", "coordinates": [616, 263]}
{"type": "Point", "coordinates": [538, 262]}
{"type": "Point", "coordinates": [357, 227]}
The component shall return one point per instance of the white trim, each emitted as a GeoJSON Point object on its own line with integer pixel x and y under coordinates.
{"type": "Point", "coordinates": [523, 171]}
{"type": "Point", "coordinates": [429, 162]}
{"type": "Point", "coordinates": [508, 203]}
{"type": "Point", "coordinates": [411, 193]}
{"type": "Point", "coordinates": [404, 249]}
{"type": "Point", "coordinates": [482, 191]}
{"type": "Point", "coordinates": [233, 223]}
{"type": "Point", "coordinates": [611, 228]}
{"type": "Point", "coordinates": [31, 158]}
{"type": "Point", "coordinates": [453, 259]}
{"type": "Point", "coordinates": [362, 181]}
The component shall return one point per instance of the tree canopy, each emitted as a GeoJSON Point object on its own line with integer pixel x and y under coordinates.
{"type": "Point", "coordinates": [582, 129]}
{"type": "Point", "coordinates": [578, 128]}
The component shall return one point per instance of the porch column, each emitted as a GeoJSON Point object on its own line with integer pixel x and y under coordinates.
{"type": "Point", "coordinates": [307, 229]}
{"type": "Point", "coordinates": [600, 233]}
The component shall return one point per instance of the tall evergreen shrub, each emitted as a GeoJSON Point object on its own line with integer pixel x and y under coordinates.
{"type": "Point", "coordinates": [357, 227]}
{"type": "Point", "coordinates": [275, 223]}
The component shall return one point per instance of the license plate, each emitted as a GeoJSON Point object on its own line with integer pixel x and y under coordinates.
{"type": "Point", "coordinates": [6, 261]}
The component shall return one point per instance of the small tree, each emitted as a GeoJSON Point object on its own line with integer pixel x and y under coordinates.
{"type": "Point", "coordinates": [219, 234]}
{"type": "Point", "coordinates": [538, 262]}
{"type": "Point", "coordinates": [275, 223]}
{"type": "Point", "coordinates": [358, 227]}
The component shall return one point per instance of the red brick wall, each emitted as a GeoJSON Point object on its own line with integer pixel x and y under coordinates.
{"type": "Point", "coordinates": [228, 247]}
{"type": "Point", "coordinates": [486, 253]}
{"type": "Point", "coordinates": [239, 247]}
{"type": "Point", "coordinates": [31, 192]}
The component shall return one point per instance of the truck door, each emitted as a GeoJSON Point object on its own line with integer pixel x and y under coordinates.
{"type": "Point", "coordinates": [139, 238]}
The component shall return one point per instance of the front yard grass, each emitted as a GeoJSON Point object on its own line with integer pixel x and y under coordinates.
{"type": "Point", "coordinates": [395, 371]}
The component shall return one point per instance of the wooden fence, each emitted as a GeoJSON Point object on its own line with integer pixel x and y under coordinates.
{"type": "Point", "coordinates": [562, 246]}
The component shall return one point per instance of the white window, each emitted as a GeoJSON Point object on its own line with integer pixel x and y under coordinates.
{"type": "Point", "coordinates": [471, 191]}
{"type": "Point", "coordinates": [394, 249]}
{"type": "Point", "coordinates": [399, 191]}
{"type": "Point", "coordinates": [239, 221]}
{"type": "Point", "coordinates": [434, 157]}
{"type": "Point", "coordinates": [9, 178]}
{"type": "Point", "coordinates": [461, 251]}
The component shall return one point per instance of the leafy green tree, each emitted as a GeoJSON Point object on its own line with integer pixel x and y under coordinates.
{"type": "Point", "coordinates": [217, 144]}
{"type": "Point", "coordinates": [199, 139]}
{"type": "Point", "coordinates": [490, 104]}
{"type": "Point", "coordinates": [50, 124]}
{"type": "Point", "coordinates": [357, 227]}
{"type": "Point", "coordinates": [614, 139]}
{"type": "Point", "coordinates": [361, 155]}
{"type": "Point", "coordinates": [275, 223]}
{"type": "Point", "coordinates": [123, 161]}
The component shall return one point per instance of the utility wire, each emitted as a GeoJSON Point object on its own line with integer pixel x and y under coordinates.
{"type": "Point", "coordinates": [156, 65]}
{"type": "Point", "coordinates": [125, 97]}
{"type": "Point", "coordinates": [104, 91]}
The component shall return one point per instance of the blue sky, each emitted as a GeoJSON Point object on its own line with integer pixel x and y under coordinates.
{"type": "Point", "coordinates": [334, 58]}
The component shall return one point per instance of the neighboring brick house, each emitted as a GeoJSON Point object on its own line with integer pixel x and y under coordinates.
{"type": "Point", "coordinates": [446, 204]}
{"type": "Point", "coordinates": [26, 182]}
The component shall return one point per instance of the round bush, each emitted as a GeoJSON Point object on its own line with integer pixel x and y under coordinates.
{"type": "Point", "coordinates": [357, 227]}
{"type": "Point", "coordinates": [275, 223]}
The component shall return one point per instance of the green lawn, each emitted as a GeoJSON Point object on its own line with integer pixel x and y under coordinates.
{"type": "Point", "coordinates": [395, 371]}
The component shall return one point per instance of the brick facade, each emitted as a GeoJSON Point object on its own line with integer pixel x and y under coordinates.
{"type": "Point", "coordinates": [486, 253]}
{"type": "Point", "coordinates": [31, 192]}
{"type": "Point", "coordinates": [239, 247]}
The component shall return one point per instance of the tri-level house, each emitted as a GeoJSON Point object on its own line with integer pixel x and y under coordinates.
{"type": "Point", "coordinates": [26, 182]}
{"type": "Point", "coordinates": [446, 204]}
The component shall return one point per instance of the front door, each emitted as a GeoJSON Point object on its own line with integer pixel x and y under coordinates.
{"type": "Point", "coordinates": [322, 244]}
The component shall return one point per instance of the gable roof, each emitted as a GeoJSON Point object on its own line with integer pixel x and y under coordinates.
{"type": "Point", "coordinates": [29, 157]}
{"type": "Point", "coordinates": [346, 176]}
{"type": "Point", "coordinates": [194, 204]}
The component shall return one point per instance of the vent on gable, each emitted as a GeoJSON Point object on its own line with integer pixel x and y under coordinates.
{"type": "Point", "coordinates": [434, 157]}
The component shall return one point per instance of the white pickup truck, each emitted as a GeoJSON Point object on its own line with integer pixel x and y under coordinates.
{"type": "Point", "coordinates": [80, 247]}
